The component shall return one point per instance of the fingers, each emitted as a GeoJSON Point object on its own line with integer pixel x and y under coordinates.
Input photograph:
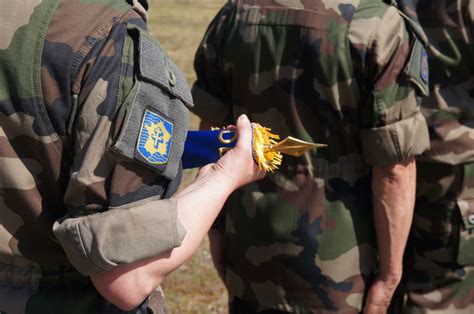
{"type": "Point", "coordinates": [239, 162]}
{"type": "Point", "coordinates": [244, 131]}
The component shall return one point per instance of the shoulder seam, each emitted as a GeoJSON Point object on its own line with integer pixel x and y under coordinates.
{"type": "Point", "coordinates": [95, 37]}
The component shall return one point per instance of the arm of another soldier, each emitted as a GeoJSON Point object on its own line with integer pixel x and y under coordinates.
{"type": "Point", "coordinates": [393, 189]}
{"type": "Point", "coordinates": [393, 132]}
{"type": "Point", "coordinates": [198, 205]}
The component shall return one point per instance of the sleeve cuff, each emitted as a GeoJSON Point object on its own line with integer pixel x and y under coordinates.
{"type": "Point", "coordinates": [122, 235]}
{"type": "Point", "coordinates": [395, 142]}
{"type": "Point", "coordinates": [210, 108]}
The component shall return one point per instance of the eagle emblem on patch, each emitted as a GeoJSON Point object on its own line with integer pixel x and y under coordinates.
{"type": "Point", "coordinates": [154, 142]}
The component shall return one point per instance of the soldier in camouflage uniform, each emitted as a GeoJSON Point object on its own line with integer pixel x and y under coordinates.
{"type": "Point", "coordinates": [343, 73]}
{"type": "Point", "coordinates": [439, 263]}
{"type": "Point", "coordinates": [92, 123]}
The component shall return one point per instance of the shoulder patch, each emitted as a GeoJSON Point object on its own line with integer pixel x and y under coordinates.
{"type": "Point", "coordinates": [417, 68]}
{"type": "Point", "coordinates": [154, 112]}
{"type": "Point", "coordinates": [424, 66]}
{"type": "Point", "coordinates": [155, 138]}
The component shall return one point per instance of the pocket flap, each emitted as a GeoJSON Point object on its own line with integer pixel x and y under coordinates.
{"type": "Point", "coordinates": [466, 208]}
{"type": "Point", "coordinates": [157, 68]}
{"type": "Point", "coordinates": [155, 116]}
{"type": "Point", "coordinates": [466, 233]}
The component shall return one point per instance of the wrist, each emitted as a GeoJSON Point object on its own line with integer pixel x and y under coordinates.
{"type": "Point", "coordinates": [391, 277]}
{"type": "Point", "coordinates": [223, 182]}
{"type": "Point", "coordinates": [224, 178]}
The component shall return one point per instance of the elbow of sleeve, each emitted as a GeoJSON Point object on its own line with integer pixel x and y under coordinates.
{"type": "Point", "coordinates": [100, 242]}
{"type": "Point", "coordinates": [395, 142]}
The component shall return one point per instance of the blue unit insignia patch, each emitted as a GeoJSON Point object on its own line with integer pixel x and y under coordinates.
{"type": "Point", "coordinates": [424, 66]}
{"type": "Point", "coordinates": [155, 138]}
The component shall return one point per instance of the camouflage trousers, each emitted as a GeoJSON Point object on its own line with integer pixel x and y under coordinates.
{"type": "Point", "coordinates": [28, 288]}
{"type": "Point", "coordinates": [240, 306]}
{"type": "Point", "coordinates": [439, 260]}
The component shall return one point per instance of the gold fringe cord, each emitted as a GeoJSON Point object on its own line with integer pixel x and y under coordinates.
{"type": "Point", "coordinates": [266, 158]}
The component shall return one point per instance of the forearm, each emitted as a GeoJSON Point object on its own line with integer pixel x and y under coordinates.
{"type": "Point", "coordinates": [393, 199]}
{"type": "Point", "coordinates": [128, 285]}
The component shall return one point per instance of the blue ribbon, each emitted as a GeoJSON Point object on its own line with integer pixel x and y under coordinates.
{"type": "Point", "coordinates": [205, 147]}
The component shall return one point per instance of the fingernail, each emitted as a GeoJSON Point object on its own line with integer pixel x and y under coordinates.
{"type": "Point", "coordinates": [243, 117]}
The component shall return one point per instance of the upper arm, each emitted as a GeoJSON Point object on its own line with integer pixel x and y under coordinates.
{"type": "Point", "coordinates": [392, 126]}
{"type": "Point", "coordinates": [211, 90]}
{"type": "Point", "coordinates": [128, 134]}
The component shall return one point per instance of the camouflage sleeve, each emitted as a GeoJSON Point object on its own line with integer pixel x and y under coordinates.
{"type": "Point", "coordinates": [128, 133]}
{"type": "Point", "coordinates": [210, 92]}
{"type": "Point", "coordinates": [393, 127]}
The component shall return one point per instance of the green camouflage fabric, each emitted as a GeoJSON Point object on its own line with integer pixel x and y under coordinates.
{"type": "Point", "coordinates": [344, 73]}
{"type": "Point", "coordinates": [439, 267]}
{"type": "Point", "coordinates": [72, 76]}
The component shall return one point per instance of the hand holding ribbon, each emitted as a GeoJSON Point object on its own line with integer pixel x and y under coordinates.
{"type": "Point", "coordinates": [204, 147]}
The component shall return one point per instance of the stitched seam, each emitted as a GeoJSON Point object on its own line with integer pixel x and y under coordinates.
{"type": "Point", "coordinates": [396, 143]}
{"type": "Point", "coordinates": [139, 202]}
{"type": "Point", "coordinates": [43, 119]}
{"type": "Point", "coordinates": [93, 39]}
{"type": "Point", "coordinates": [86, 257]}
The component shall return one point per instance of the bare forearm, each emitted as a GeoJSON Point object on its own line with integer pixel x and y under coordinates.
{"type": "Point", "coordinates": [393, 198]}
{"type": "Point", "coordinates": [198, 206]}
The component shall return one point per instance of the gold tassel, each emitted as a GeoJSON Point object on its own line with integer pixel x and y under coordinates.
{"type": "Point", "coordinates": [267, 159]}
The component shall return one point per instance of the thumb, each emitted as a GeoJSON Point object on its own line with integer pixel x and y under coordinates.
{"type": "Point", "coordinates": [244, 131]}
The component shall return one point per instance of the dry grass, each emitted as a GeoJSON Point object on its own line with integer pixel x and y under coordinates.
{"type": "Point", "coordinates": [179, 26]}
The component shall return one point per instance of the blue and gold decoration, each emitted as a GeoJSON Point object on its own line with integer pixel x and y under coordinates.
{"type": "Point", "coordinates": [154, 142]}
{"type": "Point", "coordinates": [204, 147]}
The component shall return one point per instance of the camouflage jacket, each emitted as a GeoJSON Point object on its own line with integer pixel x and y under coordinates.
{"type": "Point", "coordinates": [93, 121]}
{"type": "Point", "coordinates": [344, 73]}
{"type": "Point", "coordinates": [447, 29]}
{"type": "Point", "coordinates": [449, 110]}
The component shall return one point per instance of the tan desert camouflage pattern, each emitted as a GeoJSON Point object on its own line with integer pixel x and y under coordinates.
{"type": "Point", "coordinates": [439, 270]}
{"type": "Point", "coordinates": [344, 73]}
{"type": "Point", "coordinates": [64, 74]}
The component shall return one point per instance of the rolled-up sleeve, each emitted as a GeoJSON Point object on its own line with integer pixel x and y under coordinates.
{"type": "Point", "coordinates": [395, 142]}
{"type": "Point", "coordinates": [101, 241]}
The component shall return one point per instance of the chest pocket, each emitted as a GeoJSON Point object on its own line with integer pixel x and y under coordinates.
{"type": "Point", "coordinates": [155, 116]}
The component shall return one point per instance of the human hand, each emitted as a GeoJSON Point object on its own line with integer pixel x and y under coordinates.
{"type": "Point", "coordinates": [380, 294]}
{"type": "Point", "coordinates": [237, 165]}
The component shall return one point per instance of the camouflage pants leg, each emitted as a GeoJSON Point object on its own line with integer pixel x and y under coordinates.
{"type": "Point", "coordinates": [439, 266]}
{"type": "Point", "coordinates": [239, 306]}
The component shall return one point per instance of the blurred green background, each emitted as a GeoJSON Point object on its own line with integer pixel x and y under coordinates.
{"type": "Point", "coordinates": [179, 26]}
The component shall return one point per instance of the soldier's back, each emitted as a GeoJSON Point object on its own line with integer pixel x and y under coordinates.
{"type": "Point", "coordinates": [302, 239]}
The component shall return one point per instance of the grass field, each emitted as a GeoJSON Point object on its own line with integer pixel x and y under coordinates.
{"type": "Point", "coordinates": [179, 26]}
